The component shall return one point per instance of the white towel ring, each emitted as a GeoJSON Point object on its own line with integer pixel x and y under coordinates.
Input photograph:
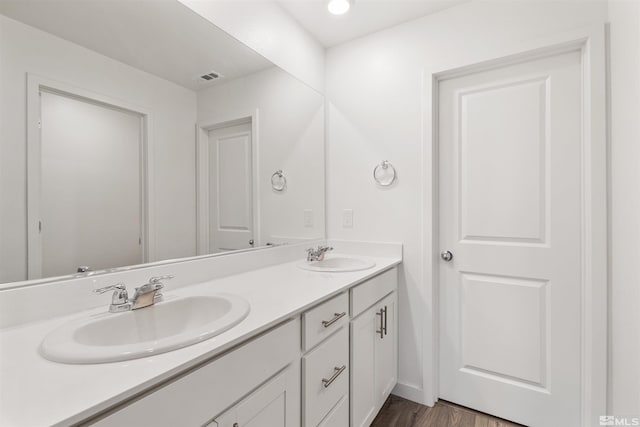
{"type": "Point", "coordinates": [384, 174]}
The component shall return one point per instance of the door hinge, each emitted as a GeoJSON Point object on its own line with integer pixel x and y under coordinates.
{"type": "Point", "coordinates": [39, 124]}
{"type": "Point", "coordinates": [39, 226]}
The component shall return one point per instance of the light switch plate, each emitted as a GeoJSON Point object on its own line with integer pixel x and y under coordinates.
{"type": "Point", "coordinates": [347, 218]}
{"type": "Point", "coordinates": [308, 217]}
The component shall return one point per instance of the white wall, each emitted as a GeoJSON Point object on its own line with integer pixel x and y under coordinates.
{"type": "Point", "coordinates": [173, 114]}
{"type": "Point", "coordinates": [375, 91]}
{"type": "Point", "coordinates": [269, 30]}
{"type": "Point", "coordinates": [290, 137]}
{"type": "Point", "coordinates": [624, 18]}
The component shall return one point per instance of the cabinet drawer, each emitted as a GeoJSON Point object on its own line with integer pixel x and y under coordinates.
{"type": "Point", "coordinates": [323, 320]}
{"type": "Point", "coordinates": [325, 377]}
{"type": "Point", "coordinates": [373, 290]}
{"type": "Point", "coordinates": [339, 415]}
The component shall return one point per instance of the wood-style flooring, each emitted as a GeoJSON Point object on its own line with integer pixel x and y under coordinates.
{"type": "Point", "coordinates": [398, 412]}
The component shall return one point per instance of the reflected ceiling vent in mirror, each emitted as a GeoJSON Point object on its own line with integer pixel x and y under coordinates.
{"type": "Point", "coordinates": [210, 77]}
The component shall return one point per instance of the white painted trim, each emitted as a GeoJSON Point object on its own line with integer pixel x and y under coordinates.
{"type": "Point", "coordinates": [590, 41]}
{"type": "Point", "coordinates": [35, 84]}
{"type": "Point", "coordinates": [202, 175]}
{"type": "Point", "coordinates": [409, 392]}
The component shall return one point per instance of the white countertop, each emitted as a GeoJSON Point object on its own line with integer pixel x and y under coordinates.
{"type": "Point", "coordinates": [37, 392]}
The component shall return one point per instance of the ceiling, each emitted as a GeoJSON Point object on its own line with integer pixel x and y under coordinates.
{"type": "Point", "coordinates": [365, 16]}
{"type": "Point", "coordinates": [168, 39]}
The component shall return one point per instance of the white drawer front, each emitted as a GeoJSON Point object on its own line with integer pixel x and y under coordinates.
{"type": "Point", "coordinates": [323, 320]}
{"type": "Point", "coordinates": [339, 415]}
{"type": "Point", "coordinates": [325, 377]}
{"type": "Point", "coordinates": [373, 290]}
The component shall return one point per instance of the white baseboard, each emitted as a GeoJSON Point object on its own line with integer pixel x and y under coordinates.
{"type": "Point", "coordinates": [409, 392]}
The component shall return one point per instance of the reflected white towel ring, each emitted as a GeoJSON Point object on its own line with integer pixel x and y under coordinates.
{"type": "Point", "coordinates": [278, 180]}
{"type": "Point", "coordinates": [384, 174]}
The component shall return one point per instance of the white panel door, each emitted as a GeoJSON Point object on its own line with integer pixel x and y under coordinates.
{"type": "Point", "coordinates": [230, 188]}
{"type": "Point", "coordinates": [90, 200]}
{"type": "Point", "coordinates": [510, 213]}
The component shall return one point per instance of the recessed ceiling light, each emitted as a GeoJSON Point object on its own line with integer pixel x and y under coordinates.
{"type": "Point", "coordinates": [339, 7]}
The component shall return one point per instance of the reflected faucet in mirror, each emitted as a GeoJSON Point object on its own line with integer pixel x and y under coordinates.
{"type": "Point", "coordinates": [317, 254]}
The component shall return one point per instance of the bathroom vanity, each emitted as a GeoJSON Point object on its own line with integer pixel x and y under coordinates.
{"type": "Point", "coordinates": [316, 349]}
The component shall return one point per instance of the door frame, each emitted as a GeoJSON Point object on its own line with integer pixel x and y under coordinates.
{"type": "Point", "coordinates": [590, 42]}
{"type": "Point", "coordinates": [202, 175]}
{"type": "Point", "coordinates": [36, 84]}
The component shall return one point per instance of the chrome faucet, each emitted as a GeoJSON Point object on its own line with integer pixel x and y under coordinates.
{"type": "Point", "coordinates": [317, 254]}
{"type": "Point", "coordinates": [146, 295]}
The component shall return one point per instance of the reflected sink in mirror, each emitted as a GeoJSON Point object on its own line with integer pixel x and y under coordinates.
{"type": "Point", "coordinates": [157, 329]}
{"type": "Point", "coordinates": [335, 263]}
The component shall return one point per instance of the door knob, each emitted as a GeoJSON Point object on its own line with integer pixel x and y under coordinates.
{"type": "Point", "coordinates": [251, 242]}
{"type": "Point", "coordinates": [446, 255]}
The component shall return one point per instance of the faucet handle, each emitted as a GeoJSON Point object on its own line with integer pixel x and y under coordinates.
{"type": "Point", "coordinates": [156, 280]}
{"type": "Point", "coordinates": [118, 286]}
{"type": "Point", "coordinates": [120, 296]}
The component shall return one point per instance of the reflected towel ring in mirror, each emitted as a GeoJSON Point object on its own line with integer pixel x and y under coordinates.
{"type": "Point", "coordinates": [384, 174]}
{"type": "Point", "coordinates": [278, 181]}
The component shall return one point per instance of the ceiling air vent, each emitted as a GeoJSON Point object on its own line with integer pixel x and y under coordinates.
{"type": "Point", "coordinates": [210, 76]}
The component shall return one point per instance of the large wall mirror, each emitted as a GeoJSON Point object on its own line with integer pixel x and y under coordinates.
{"type": "Point", "coordinates": [136, 132]}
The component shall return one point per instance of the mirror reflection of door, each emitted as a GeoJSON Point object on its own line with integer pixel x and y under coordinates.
{"type": "Point", "coordinates": [91, 179]}
{"type": "Point", "coordinates": [230, 188]}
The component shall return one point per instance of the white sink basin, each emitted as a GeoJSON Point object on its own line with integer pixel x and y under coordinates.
{"type": "Point", "coordinates": [163, 327]}
{"type": "Point", "coordinates": [335, 263]}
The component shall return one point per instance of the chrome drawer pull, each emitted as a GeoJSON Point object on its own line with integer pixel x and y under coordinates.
{"type": "Point", "coordinates": [336, 373]}
{"type": "Point", "coordinates": [385, 320]}
{"type": "Point", "coordinates": [381, 331]}
{"type": "Point", "coordinates": [337, 316]}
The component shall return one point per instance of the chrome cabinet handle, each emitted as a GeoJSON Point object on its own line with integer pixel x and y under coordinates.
{"type": "Point", "coordinates": [382, 328]}
{"type": "Point", "coordinates": [336, 317]}
{"type": "Point", "coordinates": [446, 256]}
{"type": "Point", "coordinates": [385, 320]}
{"type": "Point", "coordinates": [337, 371]}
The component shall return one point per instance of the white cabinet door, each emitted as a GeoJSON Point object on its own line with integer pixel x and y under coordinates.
{"type": "Point", "coordinates": [272, 405]}
{"type": "Point", "coordinates": [386, 351]}
{"type": "Point", "coordinates": [373, 360]}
